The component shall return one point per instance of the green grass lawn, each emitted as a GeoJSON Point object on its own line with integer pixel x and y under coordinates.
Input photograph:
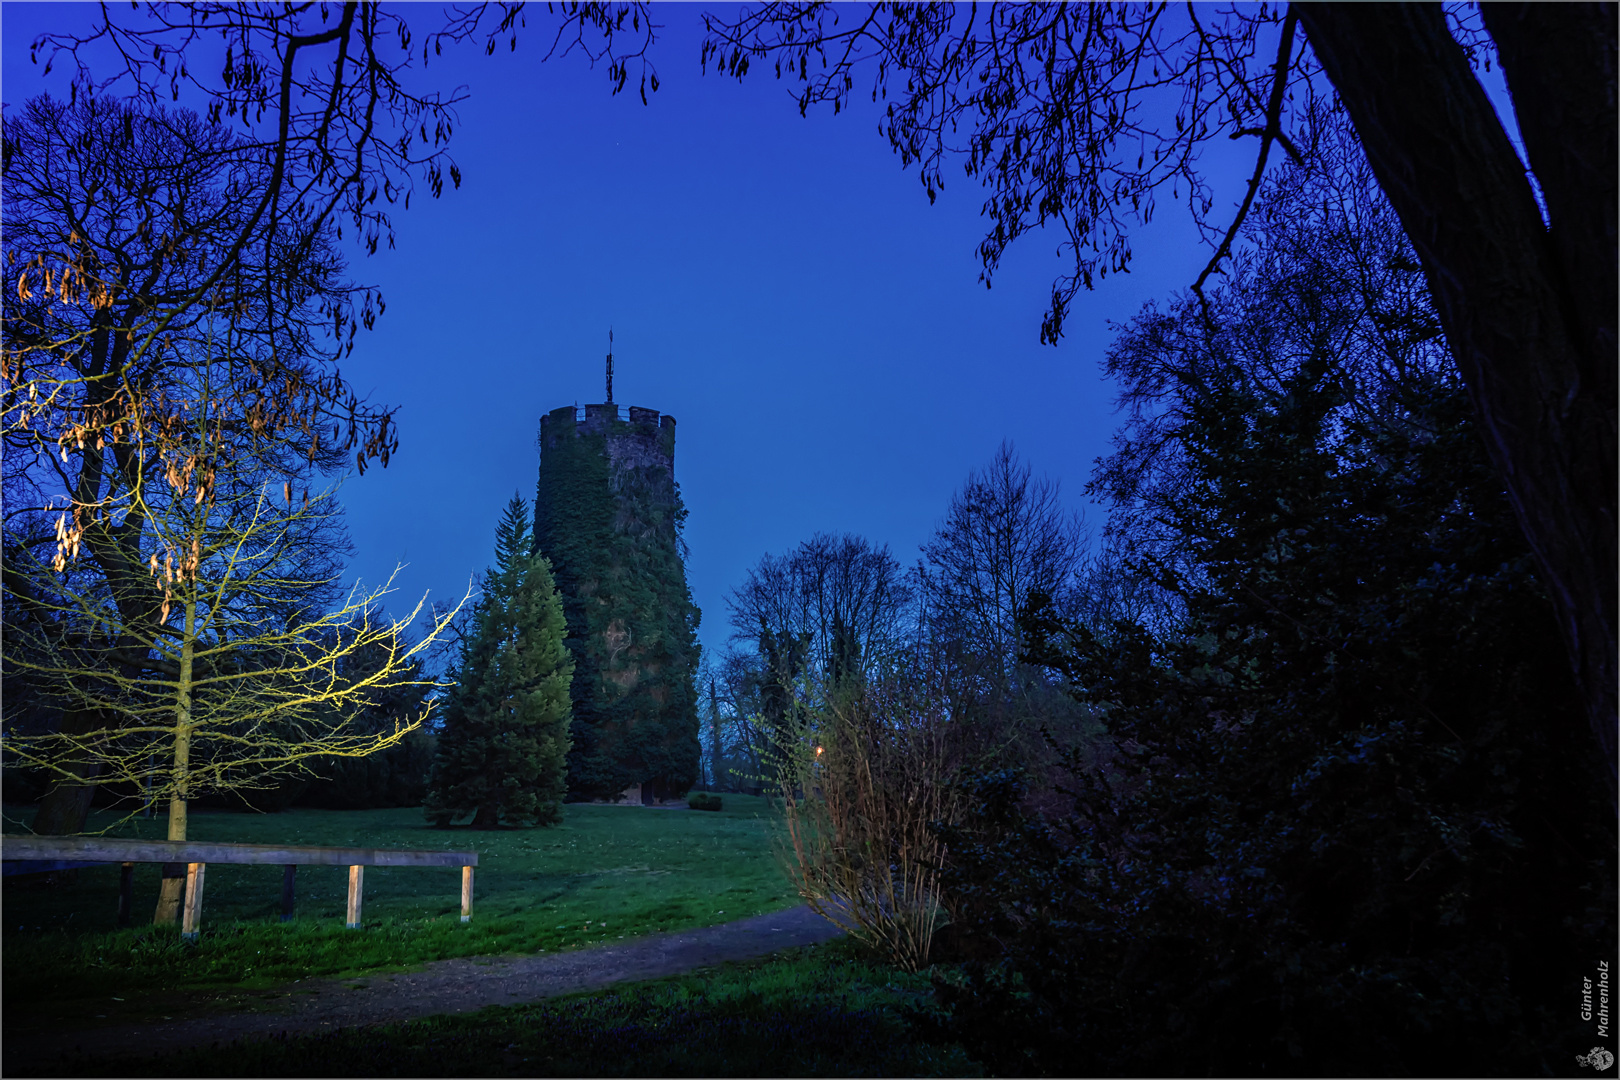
{"type": "Point", "coordinates": [605, 873]}
{"type": "Point", "coordinates": [821, 1011]}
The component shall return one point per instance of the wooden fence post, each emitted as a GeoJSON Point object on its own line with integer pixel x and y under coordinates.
{"type": "Point", "coordinates": [287, 873]}
{"type": "Point", "coordinates": [191, 910]}
{"type": "Point", "coordinates": [357, 877]}
{"type": "Point", "coordinates": [126, 892]}
{"type": "Point", "coordinates": [187, 861]}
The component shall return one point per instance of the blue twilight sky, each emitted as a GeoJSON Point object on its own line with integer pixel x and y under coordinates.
{"type": "Point", "coordinates": [777, 284]}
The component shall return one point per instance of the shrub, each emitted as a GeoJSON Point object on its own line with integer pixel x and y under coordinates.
{"type": "Point", "coordinates": [863, 777]}
{"type": "Point", "coordinates": [703, 800]}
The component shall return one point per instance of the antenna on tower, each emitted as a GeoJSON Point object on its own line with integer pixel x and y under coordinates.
{"type": "Point", "coordinates": [610, 367]}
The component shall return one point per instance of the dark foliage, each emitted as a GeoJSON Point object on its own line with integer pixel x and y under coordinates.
{"type": "Point", "coordinates": [395, 777]}
{"type": "Point", "coordinates": [1345, 824]}
{"type": "Point", "coordinates": [782, 665]}
{"type": "Point", "coordinates": [704, 800]}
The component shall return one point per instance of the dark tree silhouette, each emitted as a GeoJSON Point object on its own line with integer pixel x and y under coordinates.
{"type": "Point", "coordinates": [1005, 533]}
{"type": "Point", "coordinates": [847, 600]}
{"type": "Point", "coordinates": [1528, 303]}
{"type": "Point", "coordinates": [1053, 108]}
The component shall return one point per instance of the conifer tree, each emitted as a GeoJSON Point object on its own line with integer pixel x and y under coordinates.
{"type": "Point", "coordinates": [503, 750]}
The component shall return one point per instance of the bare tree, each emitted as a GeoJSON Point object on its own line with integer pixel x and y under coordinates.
{"type": "Point", "coordinates": [735, 685]}
{"type": "Point", "coordinates": [242, 673]}
{"type": "Point", "coordinates": [131, 227]}
{"type": "Point", "coordinates": [1004, 536]}
{"type": "Point", "coordinates": [1053, 107]}
{"type": "Point", "coordinates": [325, 95]}
{"type": "Point", "coordinates": [113, 216]}
{"type": "Point", "coordinates": [846, 599]}
{"type": "Point", "coordinates": [1116, 582]}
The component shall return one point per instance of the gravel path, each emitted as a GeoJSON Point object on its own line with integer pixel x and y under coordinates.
{"type": "Point", "coordinates": [444, 986]}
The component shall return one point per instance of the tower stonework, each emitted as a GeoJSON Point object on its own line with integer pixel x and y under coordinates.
{"type": "Point", "coordinates": [645, 441]}
{"type": "Point", "coordinates": [608, 516]}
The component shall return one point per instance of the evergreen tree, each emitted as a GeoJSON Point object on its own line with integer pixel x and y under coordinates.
{"type": "Point", "coordinates": [505, 741]}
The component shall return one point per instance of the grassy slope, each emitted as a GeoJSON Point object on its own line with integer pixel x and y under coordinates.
{"type": "Point", "coordinates": [606, 872]}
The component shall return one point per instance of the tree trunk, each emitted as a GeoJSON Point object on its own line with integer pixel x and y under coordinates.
{"type": "Point", "coordinates": [488, 817]}
{"type": "Point", "coordinates": [716, 758]}
{"type": "Point", "coordinates": [65, 808]}
{"type": "Point", "coordinates": [1528, 307]}
{"type": "Point", "coordinates": [66, 805]}
{"type": "Point", "coordinates": [172, 892]}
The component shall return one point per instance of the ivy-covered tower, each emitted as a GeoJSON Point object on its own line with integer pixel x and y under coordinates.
{"type": "Point", "coordinates": [608, 514]}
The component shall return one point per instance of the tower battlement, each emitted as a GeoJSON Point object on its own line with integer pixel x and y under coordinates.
{"type": "Point", "coordinates": [604, 419]}
{"type": "Point", "coordinates": [646, 438]}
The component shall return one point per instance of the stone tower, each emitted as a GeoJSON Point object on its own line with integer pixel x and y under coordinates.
{"type": "Point", "coordinates": [607, 513]}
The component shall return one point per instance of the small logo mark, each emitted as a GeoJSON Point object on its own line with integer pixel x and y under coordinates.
{"type": "Point", "coordinates": [1599, 1059]}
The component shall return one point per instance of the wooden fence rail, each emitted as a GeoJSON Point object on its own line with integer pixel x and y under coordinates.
{"type": "Point", "coordinates": [32, 854]}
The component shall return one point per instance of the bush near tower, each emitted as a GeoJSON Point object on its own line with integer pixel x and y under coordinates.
{"type": "Point", "coordinates": [502, 753]}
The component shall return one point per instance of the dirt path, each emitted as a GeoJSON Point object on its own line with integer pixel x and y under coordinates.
{"type": "Point", "coordinates": [444, 986]}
